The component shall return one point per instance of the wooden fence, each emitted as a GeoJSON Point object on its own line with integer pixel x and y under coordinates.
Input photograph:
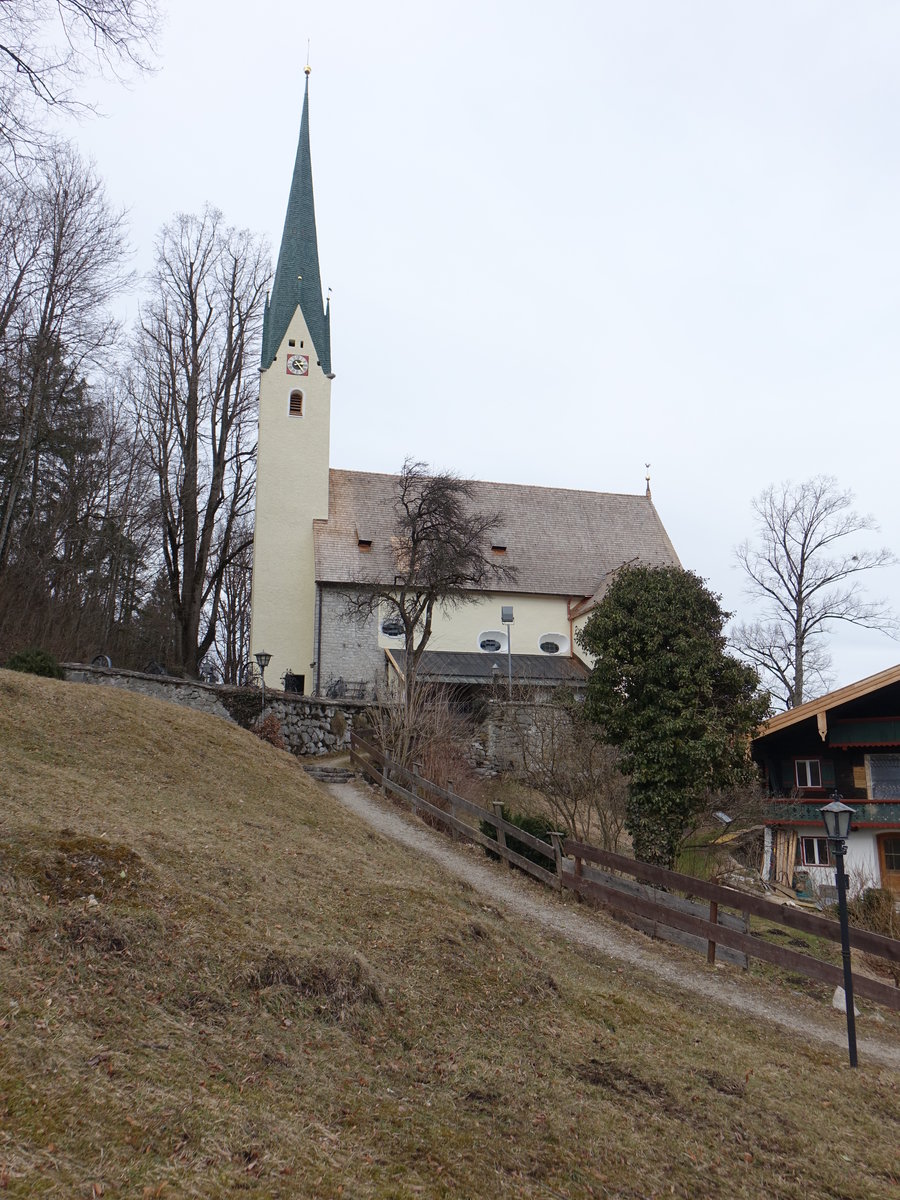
{"type": "Point", "coordinates": [609, 881]}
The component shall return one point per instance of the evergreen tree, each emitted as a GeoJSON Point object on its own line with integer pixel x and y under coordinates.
{"type": "Point", "coordinates": [665, 692]}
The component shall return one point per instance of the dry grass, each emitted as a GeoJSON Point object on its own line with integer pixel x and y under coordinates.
{"type": "Point", "coordinates": [214, 982]}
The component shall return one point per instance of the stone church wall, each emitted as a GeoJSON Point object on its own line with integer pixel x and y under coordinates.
{"type": "Point", "coordinates": [309, 727]}
{"type": "Point", "coordinates": [349, 649]}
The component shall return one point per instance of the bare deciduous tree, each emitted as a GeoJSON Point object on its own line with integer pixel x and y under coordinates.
{"type": "Point", "coordinates": [806, 581]}
{"type": "Point", "coordinates": [442, 559]}
{"type": "Point", "coordinates": [195, 395]}
{"type": "Point", "coordinates": [61, 250]}
{"type": "Point", "coordinates": [48, 46]}
{"type": "Point", "coordinates": [232, 644]}
{"type": "Point", "coordinates": [564, 757]}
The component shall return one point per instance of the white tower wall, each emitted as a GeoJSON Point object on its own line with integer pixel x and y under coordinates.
{"type": "Point", "coordinates": [291, 493]}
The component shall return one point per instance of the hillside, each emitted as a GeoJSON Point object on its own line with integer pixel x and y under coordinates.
{"type": "Point", "coordinates": [215, 982]}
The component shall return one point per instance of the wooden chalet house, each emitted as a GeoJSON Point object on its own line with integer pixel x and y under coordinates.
{"type": "Point", "coordinates": [846, 741]}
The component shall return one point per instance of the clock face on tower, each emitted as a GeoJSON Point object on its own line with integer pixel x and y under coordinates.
{"type": "Point", "coordinates": [298, 364]}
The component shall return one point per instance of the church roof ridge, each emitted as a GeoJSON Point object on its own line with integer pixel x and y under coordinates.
{"type": "Point", "coordinates": [297, 276]}
{"type": "Point", "coordinates": [497, 483]}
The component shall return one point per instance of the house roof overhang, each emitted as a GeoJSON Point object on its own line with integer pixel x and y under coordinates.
{"type": "Point", "coordinates": [818, 710]}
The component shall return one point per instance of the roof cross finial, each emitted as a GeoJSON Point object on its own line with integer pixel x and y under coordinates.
{"type": "Point", "coordinates": [647, 477]}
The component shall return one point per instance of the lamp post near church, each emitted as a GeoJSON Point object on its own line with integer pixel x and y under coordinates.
{"type": "Point", "coordinates": [506, 618]}
{"type": "Point", "coordinates": [837, 817]}
{"type": "Point", "coordinates": [263, 660]}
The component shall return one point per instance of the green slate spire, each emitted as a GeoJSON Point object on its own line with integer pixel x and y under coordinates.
{"type": "Point", "coordinates": [297, 278]}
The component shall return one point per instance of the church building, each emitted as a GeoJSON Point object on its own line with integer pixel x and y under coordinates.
{"type": "Point", "coordinates": [319, 531]}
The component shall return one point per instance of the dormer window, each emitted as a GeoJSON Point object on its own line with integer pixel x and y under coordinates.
{"type": "Point", "coordinates": [364, 544]}
{"type": "Point", "coordinates": [498, 549]}
{"type": "Point", "coordinates": [295, 407]}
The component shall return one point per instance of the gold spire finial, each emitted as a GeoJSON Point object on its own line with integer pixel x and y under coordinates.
{"type": "Point", "coordinates": [307, 70]}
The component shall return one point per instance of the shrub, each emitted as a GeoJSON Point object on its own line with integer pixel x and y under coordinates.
{"type": "Point", "coordinates": [244, 705]}
{"type": "Point", "coordinates": [540, 827]}
{"type": "Point", "coordinates": [339, 725]}
{"type": "Point", "coordinates": [269, 730]}
{"type": "Point", "coordinates": [873, 909]}
{"type": "Point", "coordinates": [35, 662]}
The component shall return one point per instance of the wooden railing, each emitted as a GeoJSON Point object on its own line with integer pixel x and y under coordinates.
{"type": "Point", "coordinates": [450, 809]}
{"type": "Point", "coordinates": [725, 922]}
{"type": "Point", "coordinates": [716, 932]}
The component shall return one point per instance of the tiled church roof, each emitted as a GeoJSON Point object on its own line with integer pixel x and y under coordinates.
{"type": "Point", "coordinates": [561, 542]}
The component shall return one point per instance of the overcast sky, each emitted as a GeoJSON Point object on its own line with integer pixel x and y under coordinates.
{"type": "Point", "coordinates": [565, 242]}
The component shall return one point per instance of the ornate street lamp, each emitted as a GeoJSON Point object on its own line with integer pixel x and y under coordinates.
{"type": "Point", "coordinates": [262, 661]}
{"type": "Point", "coordinates": [837, 817]}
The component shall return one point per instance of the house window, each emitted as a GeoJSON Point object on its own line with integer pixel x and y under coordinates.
{"type": "Point", "coordinates": [808, 772]}
{"type": "Point", "coordinates": [890, 848]}
{"type": "Point", "coordinates": [392, 627]}
{"type": "Point", "coordinates": [813, 852]}
{"type": "Point", "coordinates": [295, 408]}
{"type": "Point", "coordinates": [884, 776]}
{"type": "Point", "coordinates": [365, 544]}
{"type": "Point", "coordinates": [553, 643]}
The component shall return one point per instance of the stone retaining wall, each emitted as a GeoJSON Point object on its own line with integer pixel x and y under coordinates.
{"type": "Point", "coordinates": [309, 727]}
{"type": "Point", "coordinates": [509, 729]}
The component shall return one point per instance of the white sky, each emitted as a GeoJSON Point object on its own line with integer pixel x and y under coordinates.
{"type": "Point", "coordinates": [564, 241]}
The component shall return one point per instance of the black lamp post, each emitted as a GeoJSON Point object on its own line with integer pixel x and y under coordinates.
{"type": "Point", "coordinates": [263, 660]}
{"type": "Point", "coordinates": [837, 817]}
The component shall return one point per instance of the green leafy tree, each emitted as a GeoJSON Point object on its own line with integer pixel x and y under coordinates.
{"type": "Point", "coordinates": [666, 693]}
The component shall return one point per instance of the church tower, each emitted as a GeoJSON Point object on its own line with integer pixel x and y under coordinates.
{"type": "Point", "coordinates": [293, 448]}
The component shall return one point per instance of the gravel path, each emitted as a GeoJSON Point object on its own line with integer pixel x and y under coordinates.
{"type": "Point", "coordinates": [584, 929]}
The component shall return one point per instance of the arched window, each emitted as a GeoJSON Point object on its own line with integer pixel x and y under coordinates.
{"type": "Point", "coordinates": [295, 408]}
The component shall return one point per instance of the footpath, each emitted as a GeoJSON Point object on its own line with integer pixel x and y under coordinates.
{"type": "Point", "coordinates": [801, 1015]}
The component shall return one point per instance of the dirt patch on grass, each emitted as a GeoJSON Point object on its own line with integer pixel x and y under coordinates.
{"type": "Point", "coordinates": [108, 933]}
{"type": "Point", "coordinates": [339, 981]}
{"type": "Point", "coordinates": [722, 1084]}
{"type": "Point", "coordinates": [76, 867]}
{"type": "Point", "coordinates": [615, 1077]}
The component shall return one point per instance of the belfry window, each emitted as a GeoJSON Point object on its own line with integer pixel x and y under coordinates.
{"type": "Point", "coordinates": [295, 407]}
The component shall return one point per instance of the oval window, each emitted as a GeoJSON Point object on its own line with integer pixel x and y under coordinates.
{"type": "Point", "coordinates": [490, 641]}
{"type": "Point", "coordinates": [553, 643]}
{"type": "Point", "coordinates": [392, 627]}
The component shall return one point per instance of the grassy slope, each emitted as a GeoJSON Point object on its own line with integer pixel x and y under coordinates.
{"type": "Point", "coordinates": [268, 999]}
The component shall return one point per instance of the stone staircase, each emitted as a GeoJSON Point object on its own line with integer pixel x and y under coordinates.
{"type": "Point", "coordinates": [329, 774]}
